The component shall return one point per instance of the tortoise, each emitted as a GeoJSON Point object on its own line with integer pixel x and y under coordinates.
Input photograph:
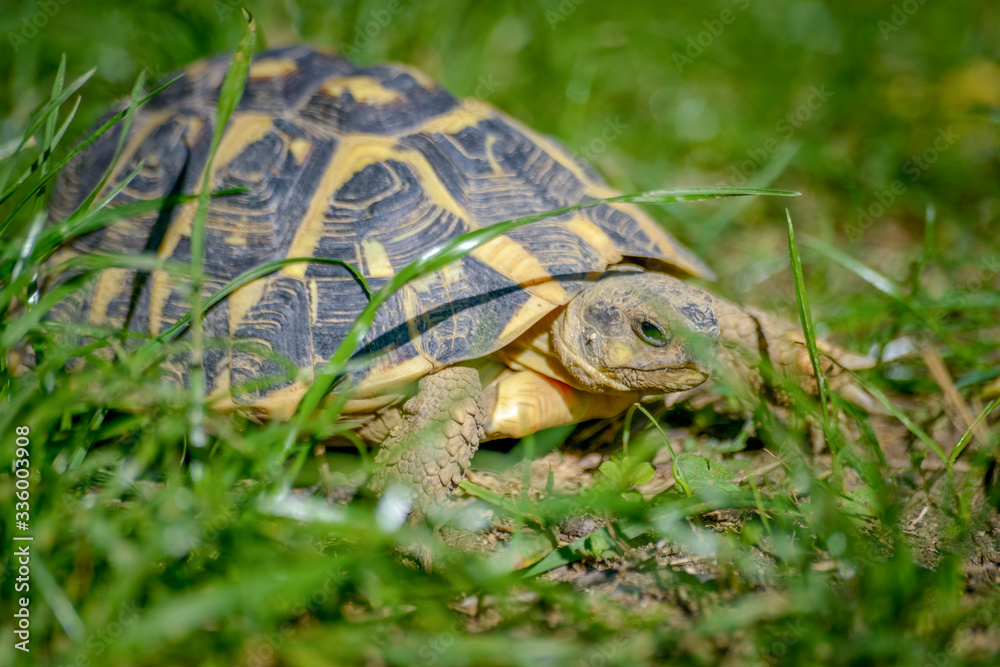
{"type": "Point", "coordinates": [567, 319]}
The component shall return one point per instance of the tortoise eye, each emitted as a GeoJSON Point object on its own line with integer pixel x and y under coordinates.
{"type": "Point", "coordinates": [652, 333]}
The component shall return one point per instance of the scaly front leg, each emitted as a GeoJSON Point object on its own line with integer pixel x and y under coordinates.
{"type": "Point", "coordinates": [429, 451]}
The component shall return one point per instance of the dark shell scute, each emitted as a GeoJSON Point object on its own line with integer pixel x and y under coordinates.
{"type": "Point", "coordinates": [277, 325]}
{"type": "Point", "coordinates": [368, 185]}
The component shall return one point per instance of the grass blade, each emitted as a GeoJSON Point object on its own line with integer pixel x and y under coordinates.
{"type": "Point", "coordinates": [133, 103]}
{"type": "Point", "coordinates": [869, 275]}
{"type": "Point", "coordinates": [229, 98]}
{"type": "Point", "coordinates": [884, 285]}
{"type": "Point", "coordinates": [678, 474]}
{"type": "Point", "coordinates": [41, 117]}
{"type": "Point", "coordinates": [911, 426]}
{"type": "Point", "coordinates": [94, 136]}
{"type": "Point", "coordinates": [10, 148]}
{"type": "Point", "coordinates": [709, 228]}
{"type": "Point", "coordinates": [805, 319]}
{"type": "Point", "coordinates": [50, 122]}
{"type": "Point", "coordinates": [82, 223]}
{"type": "Point", "coordinates": [69, 119]}
{"type": "Point", "coordinates": [251, 275]}
{"type": "Point", "coordinates": [964, 440]}
{"type": "Point", "coordinates": [28, 246]}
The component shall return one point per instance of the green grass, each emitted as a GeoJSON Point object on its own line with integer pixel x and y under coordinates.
{"type": "Point", "coordinates": [760, 539]}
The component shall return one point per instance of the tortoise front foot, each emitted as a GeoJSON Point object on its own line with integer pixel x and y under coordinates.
{"type": "Point", "coordinates": [428, 452]}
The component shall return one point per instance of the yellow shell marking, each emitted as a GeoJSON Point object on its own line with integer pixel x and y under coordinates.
{"type": "Point", "coordinates": [363, 89]}
{"type": "Point", "coordinates": [491, 140]}
{"type": "Point", "coordinates": [448, 274]}
{"type": "Point", "coordinates": [243, 299]}
{"type": "Point", "coordinates": [197, 70]}
{"type": "Point", "coordinates": [468, 114]}
{"type": "Point", "coordinates": [377, 259]}
{"type": "Point", "coordinates": [356, 152]}
{"type": "Point", "coordinates": [272, 67]}
{"type": "Point", "coordinates": [279, 404]}
{"type": "Point", "coordinates": [141, 135]}
{"type": "Point", "coordinates": [299, 148]}
{"type": "Point", "coordinates": [341, 167]}
{"type": "Point", "coordinates": [159, 281]}
{"type": "Point", "coordinates": [313, 301]}
{"type": "Point", "coordinates": [413, 310]}
{"type": "Point", "coordinates": [392, 376]}
{"type": "Point", "coordinates": [368, 406]}
{"type": "Point", "coordinates": [244, 129]}
{"type": "Point", "coordinates": [109, 285]}
{"type": "Point", "coordinates": [595, 238]}
{"type": "Point", "coordinates": [514, 261]}
{"type": "Point", "coordinates": [534, 309]}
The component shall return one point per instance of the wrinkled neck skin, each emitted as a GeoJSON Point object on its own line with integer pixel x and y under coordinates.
{"type": "Point", "coordinates": [637, 332]}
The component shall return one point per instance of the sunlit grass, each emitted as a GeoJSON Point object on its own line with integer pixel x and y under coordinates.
{"type": "Point", "coordinates": [150, 551]}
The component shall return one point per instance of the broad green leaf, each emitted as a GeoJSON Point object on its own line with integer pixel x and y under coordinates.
{"type": "Point", "coordinates": [702, 474]}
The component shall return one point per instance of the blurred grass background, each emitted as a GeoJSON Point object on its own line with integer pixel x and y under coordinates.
{"type": "Point", "coordinates": [141, 560]}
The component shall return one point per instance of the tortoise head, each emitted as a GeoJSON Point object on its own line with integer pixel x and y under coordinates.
{"type": "Point", "coordinates": [637, 331]}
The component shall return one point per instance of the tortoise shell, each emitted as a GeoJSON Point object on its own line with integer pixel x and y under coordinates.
{"type": "Point", "coordinates": [372, 165]}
